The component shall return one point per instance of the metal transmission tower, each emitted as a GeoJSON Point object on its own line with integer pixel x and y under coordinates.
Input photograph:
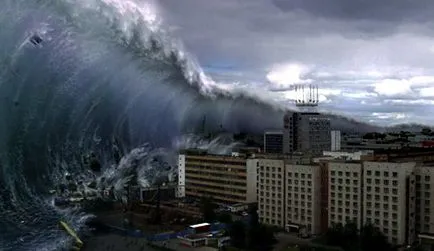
{"type": "Point", "coordinates": [307, 97]}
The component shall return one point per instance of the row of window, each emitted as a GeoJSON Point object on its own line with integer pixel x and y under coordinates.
{"type": "Point", "coordinates": [378, 173]}
{"type": "Point", "coordinates": [347, 181]}
{"type": "Point", "coordinates": [368, 173]}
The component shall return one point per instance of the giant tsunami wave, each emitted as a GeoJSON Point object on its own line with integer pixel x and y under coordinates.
{"type": "Point", "coordinates": [105, 72]}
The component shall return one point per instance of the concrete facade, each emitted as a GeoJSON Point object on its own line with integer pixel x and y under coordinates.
{"type": "Point", "coordinates": [345, 193]}
{"type": "Point", "coordinates": [389, 199]}
{"type": "Point", "coordinates": [227, 179]}
{"type": "Point", "coordinates": [303, 197]}
{"type": "Point", "coordinates": [271, 192]}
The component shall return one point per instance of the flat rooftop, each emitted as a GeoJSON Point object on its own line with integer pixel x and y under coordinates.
{"type": "Point", "coordinates": [200, 225]}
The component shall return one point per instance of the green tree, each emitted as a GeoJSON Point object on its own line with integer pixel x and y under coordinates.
{"type": "Point", "coordinates": [254, 218]}
{"type": "Point", "coordinates": [426, 131]}
{"type": "Point", "coordinates": [350, 236]}
{"type": "Point", "coordinates": [259, 237]}
{"type": "Point", "coordinates": [371, 238]}
{"type": "Point", "coordinates": [207, 208]}
{"type": "Point", "coordinates": [334, 235]}
{"type": "Point", "coordinates": [225, 217]}
{"type": "Point", "coordinates": [237, 232]}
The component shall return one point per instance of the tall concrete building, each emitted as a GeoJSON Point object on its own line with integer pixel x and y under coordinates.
{"type": "Point", "coordinates": [306, 132]}
{"type": "Point", "coordinates": [273, 141]}
{"type": "Point", "coordinates": [303, 198]}
{"type": "Point", "coordinates": [345, 193]}
{"type": "Point", "coordinates": [389, 199]}
{"type": "Point", "coordinates": [227, 179]}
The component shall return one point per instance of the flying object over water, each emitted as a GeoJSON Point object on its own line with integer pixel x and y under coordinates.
{"type": "Point", "coordinates": [36, 39]}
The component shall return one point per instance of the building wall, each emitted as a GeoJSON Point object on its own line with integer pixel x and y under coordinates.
{"type": "Point", "coordinates": [271, 192]}
{"type": "Point", "coordinates": [288, 133]}
{"type": "Point", "coordinates": [312, 133]}
{"type": "Point", "coordinates": [252, 166]}
{"type": "Point", "coordinates": [324, 167]}
{"type": "Point", "coordinates": [273, 142]}
{"type": "Point", "coordinates": [347, 155]}
{"type": "Point", "coordinates": [306, 132]}
{"type": "Point", "coordinates": [387, 199]}
{"type": "Point", "coordinates": [335, 140]}
{"type": "Point", "coordinates": [303, 197]}
{"type": "Point", "coordinates": [180, 191]}
{"type": "Point", "coordinates": [224, 178]}
{"type": "Point", "coordinates": [345, 193]}
{"type": "Point", "coordinates": [425, 199]}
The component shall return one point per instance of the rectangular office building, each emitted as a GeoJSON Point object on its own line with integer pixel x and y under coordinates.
{"type": "Point", "coordinates": [227, 179]}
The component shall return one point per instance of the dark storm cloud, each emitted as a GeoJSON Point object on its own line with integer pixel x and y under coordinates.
{"type": "Point", "coordinates": [384, 10]}
{"type": "Point", "coordinates": [362, 54]}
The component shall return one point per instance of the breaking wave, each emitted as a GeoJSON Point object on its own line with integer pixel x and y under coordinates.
{"type": "Point", "coordinates": [104, 72]}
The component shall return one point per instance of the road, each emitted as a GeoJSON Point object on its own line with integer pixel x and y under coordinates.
{"type": "Point", "coordinates": [285, 240]}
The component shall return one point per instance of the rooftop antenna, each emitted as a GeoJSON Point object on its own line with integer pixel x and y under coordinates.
{"type": "Point", "coordinates": [306, 100]}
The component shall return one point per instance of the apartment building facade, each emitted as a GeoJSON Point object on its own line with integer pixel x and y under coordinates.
{"type": "Point", "coordinates": [425, 199]}
{"type": "Point", "coordinates": [271, 191]}
{"type": "Point", "coordinates": [303, 198]}
{"type": "Point", "coordinates": [345, 193]}
{"type": "Point", "coordinates": [227, 179]}
{"type": "Point", "coordinates": [389, 199]}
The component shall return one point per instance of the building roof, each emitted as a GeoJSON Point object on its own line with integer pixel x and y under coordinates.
{"type": "Point", "coordinates": [200, 225]}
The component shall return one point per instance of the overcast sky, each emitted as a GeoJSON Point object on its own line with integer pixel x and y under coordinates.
{"type": "Point", "coordinates": [371, 59]}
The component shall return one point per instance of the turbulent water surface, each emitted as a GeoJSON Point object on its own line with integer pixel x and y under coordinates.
{"type": "Point", "coordinates": [105, 72]}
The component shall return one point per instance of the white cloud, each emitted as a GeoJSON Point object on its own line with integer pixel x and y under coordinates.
{"type": "Point", "coordinates": [383, 115]}
{"type": "Point", "coordinates": [426, 92]}
{"type": "Point", "coordinates": [392, 87]}
{"type": "Point", "coordinates": [282, 76]}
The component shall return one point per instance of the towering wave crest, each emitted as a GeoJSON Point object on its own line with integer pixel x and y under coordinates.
{"type": "Point", "coordinates": [104, 72]}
